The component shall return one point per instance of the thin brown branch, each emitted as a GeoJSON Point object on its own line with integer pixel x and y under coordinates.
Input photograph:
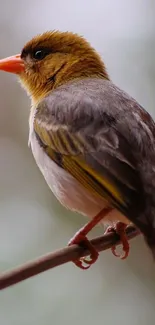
{"type": "Point", "coordinates": [60, 257]}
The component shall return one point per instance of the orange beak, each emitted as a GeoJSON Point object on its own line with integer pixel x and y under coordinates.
{"type": "Point", "coordinates": [13, 64]}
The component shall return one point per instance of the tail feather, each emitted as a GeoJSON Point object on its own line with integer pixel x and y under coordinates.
{"type": "Point", "coordinates": [146, 224]}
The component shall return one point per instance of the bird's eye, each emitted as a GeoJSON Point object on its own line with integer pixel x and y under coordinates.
{"type": "Point", "coordinates": [40, 54]}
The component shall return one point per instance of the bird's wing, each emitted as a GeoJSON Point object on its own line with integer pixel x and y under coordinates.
{"type": "Point", "coordinates": [85, 139]}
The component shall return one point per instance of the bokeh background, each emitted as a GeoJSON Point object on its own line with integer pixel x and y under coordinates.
{"type": "Point", "coordinates": [32, 222]}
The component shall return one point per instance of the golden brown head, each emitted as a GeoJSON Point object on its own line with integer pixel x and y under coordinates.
{"type": "Point", "coordinates": [53, 58]}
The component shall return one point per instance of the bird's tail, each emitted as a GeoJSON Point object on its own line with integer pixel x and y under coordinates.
{"type": "Point", "coordinates": [145, 219]}
{"type": "Point", "coordinates": [146, 224]}
{"type": "Point", "coordinates": [149, 234]}
{"type": "Point", "coordinates": [150, 241]}
{"type": "Point", "coordinates": [153, 252]}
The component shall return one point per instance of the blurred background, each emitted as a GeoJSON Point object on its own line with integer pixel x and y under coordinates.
{"type": "Point", "coordinates": [32, 222]}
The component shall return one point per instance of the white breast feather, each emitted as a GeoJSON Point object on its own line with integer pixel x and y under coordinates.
{"type": "Point", "coordinates": [67, 190]}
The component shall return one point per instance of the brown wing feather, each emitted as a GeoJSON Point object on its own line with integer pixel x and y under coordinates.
{"type": "Point", "coordinates": [100, 172]}
{"type": "Point", "coordinates": [86, 137]}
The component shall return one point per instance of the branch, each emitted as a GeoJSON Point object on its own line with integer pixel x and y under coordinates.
{"type": "Point", "coordinates": [60, 257]}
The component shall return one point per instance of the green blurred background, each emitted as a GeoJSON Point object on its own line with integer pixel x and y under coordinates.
{"type": "Point", "coordinates": [32, 222]}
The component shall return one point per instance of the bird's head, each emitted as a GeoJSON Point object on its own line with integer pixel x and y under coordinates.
{"type": "Point", "coordinates": [51, 59]}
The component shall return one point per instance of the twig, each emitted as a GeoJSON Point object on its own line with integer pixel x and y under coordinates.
{"type": "Point", "coordinates": [60, 257]}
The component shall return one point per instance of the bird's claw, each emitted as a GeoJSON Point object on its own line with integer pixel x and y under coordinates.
{"type": "Point", "coordinates": [82, 240]}
{"type": "Point", "coordinates": [120, 228]}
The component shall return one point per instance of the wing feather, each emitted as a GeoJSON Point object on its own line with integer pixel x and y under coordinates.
{"type": "Point", "coordinates": [90, 148]}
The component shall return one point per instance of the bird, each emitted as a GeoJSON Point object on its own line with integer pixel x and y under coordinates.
{"type": "Point", "coordinates": [93, 143]}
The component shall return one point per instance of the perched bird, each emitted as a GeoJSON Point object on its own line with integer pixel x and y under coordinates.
{"type": "Point", "coordinates": [94, 144]}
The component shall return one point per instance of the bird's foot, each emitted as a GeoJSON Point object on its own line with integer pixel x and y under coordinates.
{"type": "Point", "coordinates": [119, 229]}
{"type": "Point", "coordinates": [84, 262]}
{"type": "Point", "coordinates": [80, 238]}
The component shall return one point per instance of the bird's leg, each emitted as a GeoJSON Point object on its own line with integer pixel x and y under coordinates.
{"type": "Point", "coordinates": [120, 228]}
{"type": "Point", "coordinates": [81, 238]}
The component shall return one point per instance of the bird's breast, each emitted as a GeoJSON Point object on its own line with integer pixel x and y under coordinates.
{"type": "Point", "coordinates": [67, 189]}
